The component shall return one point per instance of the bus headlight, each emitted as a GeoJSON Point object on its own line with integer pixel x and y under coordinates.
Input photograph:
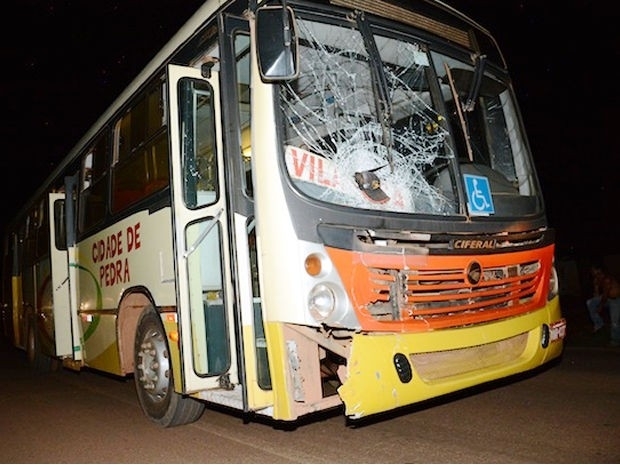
{"type": "Point", "coordinates": [553, 283]}
{"type": "Point", "coordinates": [321, 301]}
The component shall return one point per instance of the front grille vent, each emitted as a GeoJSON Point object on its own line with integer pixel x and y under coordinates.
{"type": "Point", "coordinates": [447, 294]}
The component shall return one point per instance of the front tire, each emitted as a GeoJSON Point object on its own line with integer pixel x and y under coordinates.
{"type": "Point", "coordinates": [153, 376]}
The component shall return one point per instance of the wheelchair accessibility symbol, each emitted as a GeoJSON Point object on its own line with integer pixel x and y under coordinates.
{"type": "Point", "coordinates": [479, 200]}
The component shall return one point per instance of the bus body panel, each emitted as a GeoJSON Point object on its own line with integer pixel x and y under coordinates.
{"type": "Point", "coordinates": [17, 311]}
{"type": "Point", "coordinates": [132, 253]}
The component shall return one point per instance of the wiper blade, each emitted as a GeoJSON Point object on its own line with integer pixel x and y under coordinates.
{"type": "Point", "coordinates": [474, 88]}
{"type": "Point", "coordinates": [459, 111]}
{"type": "Point", "coordinates": [382, 100]}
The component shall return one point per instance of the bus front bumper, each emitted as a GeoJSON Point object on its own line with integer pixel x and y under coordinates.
{"type": "Point", "coordinates": [389, 371]}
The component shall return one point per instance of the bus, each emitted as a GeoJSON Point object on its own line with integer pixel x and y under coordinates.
{"type": "Point", "coordinates": [296, 207]}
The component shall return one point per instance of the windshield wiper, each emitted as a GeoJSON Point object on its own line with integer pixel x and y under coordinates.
{"type": "Point", "coordinates": [474, 88]}
{"type": "Point", "coordinates": [382, 100]}
{"type": "Point", "coordinates": [459, 112]}
{"type": "Point", "coordinates": [472, 96]}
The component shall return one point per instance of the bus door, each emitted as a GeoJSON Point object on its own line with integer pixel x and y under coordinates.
{"type": "Point", "coordinates": [59, 265]}
{"type": "Point", "coordinates": [202, 250]}
{"type": "Point", "coordinates": [66, 322]}
{"type": "Point", "coordinates": [236, 72]}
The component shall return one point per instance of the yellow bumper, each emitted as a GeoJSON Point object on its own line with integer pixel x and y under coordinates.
{"type": "Point", "coordinates": [388, 371]}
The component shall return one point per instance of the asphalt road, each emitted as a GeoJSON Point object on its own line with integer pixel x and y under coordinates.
{"type": "Point", "coordinates": [566, 413]}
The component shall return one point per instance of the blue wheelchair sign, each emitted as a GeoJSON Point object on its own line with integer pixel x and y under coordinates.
{"type": "Point", "coordinates": [479, 200]}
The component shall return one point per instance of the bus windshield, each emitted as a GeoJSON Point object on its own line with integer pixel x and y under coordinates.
{"type": "Point", "coordinates": [382, 123]}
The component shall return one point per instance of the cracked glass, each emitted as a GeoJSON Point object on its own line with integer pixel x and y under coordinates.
{"type": "Point", "coordinates": [398, 133]}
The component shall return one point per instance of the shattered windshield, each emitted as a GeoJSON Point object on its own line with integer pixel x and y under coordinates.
{"type": "Point", "coordinates": [380, 138]}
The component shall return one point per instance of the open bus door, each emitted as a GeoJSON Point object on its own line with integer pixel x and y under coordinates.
{"type": "Point", "coordinates": [202, 249]}
{"type": "Point", "coordinates": [59, 268]}
{"type": "Point", "coordinates": [62, 217]}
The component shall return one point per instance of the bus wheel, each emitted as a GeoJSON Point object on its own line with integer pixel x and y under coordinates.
{"type": "Point", "coordinates": [37, 360]}
{"type": "Point", "coordinates": [153, 376]}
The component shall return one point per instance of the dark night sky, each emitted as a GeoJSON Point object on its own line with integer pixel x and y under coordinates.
{"type": "Point", "coordinates": [69, 60]}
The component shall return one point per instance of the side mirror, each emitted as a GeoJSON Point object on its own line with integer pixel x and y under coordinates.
{"type": "Point", "coordinates": [276, 40]}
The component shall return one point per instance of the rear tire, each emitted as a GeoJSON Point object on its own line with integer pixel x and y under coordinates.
{"type": "Point", "coordinates": [153, 376]}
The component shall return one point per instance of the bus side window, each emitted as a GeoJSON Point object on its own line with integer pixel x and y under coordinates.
{"type": "Point", "coordinates": [140, 163]}
{"type": "Point", "coordinates": [43, 245]}
{"type": "Point", "coordinates": [93, 183]}
{"type": "Point", "coordinates": [60, 229]}
{"type": "Point", "coordinates": [199, 148]}
{"type": "Point", "coordinates": [242, 56]}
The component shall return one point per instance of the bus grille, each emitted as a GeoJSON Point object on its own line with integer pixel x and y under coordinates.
{"type": "Point", "coordinates": [446, 296]}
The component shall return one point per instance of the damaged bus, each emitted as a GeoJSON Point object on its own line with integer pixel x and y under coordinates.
{"type": "Point", "coordinates": [296, 206]}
